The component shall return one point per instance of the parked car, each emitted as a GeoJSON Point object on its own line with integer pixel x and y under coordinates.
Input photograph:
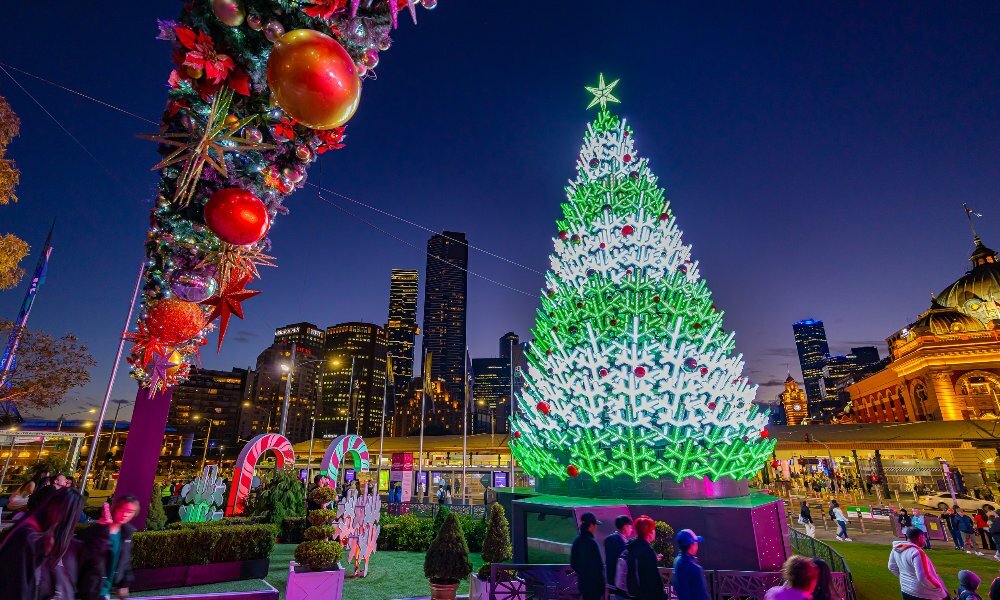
{"type": "Point", "coordinates": [943, 501]}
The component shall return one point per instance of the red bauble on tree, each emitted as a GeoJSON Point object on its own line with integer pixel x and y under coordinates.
{"type": "Point", "coordinates": [628, 230]}
{"type": "Point", "coordinates": [517, 434]}
{"type": "Point", "coordinates": [543, 407]}
{"type": "Point", "coordinates": [314, 79]}
{"type": "Point", "coordinates": [572, 470]}
{"type": "Point", "coordinates": [236, 216]}
{"type": "Point", "coordinates": [173, 321]}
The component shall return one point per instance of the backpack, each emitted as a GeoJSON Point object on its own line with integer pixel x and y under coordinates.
{"type": "Point", "coordinates": [968, 595]}
{"type": "Point", "coordinates": [627, 575]}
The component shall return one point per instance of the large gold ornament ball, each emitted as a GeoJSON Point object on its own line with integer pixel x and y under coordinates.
{"type": "Point", "coordinates": [229, 12]}
{"type": "Point", "coordinates": [313, 79]}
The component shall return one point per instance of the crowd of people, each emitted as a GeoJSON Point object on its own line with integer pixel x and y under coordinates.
{"type": "Point", "coordinates": [43, 556]}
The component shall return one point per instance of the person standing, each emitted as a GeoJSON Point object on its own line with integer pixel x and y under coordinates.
{"type": "Point", "coordinates": [918, 579]}
{"type": "Point", "coordinates": [106, 556]}
{"type": "Point", "coordinates": [824, 582]}
{"type": "Point", "coordinates": [967, 527]}
{"type": "Point", "coordinates": [995, 532]}
{"type": "Point", "coordinates": [800, 575]}
{"type": "Point", "coordinates": [920, 522]}
{"type": "Point", "coordinates": [983, 527]}
{"type": "Point", "coordinates": [805, 519]}
{"type": "Point", "coordinates": [614, 545]}
{"type": "Point", "coordinates": [689, 578]}
{"type": "Point", "coordinates": [585, 558]}
{"type": "Point", "coordinates": [968, 586]}
{"type": "Point", "coordinates": [32, 549]}
{"type": "Point", "coordinates": [904, 519]}
{"type": "Point", "coordinates": [837, 514]}
{"type": "Point", "coordinates": [949, 519]}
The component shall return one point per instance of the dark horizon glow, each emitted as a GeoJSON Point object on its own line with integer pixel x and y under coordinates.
{"type": "Point", "coordinates": [817, 158]}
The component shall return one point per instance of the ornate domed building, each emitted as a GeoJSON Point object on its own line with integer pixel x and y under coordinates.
{"type": "Point", "coordinates": [946, 364]}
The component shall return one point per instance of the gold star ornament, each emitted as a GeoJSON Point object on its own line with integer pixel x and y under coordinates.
{"type": "Point", "coordinates": [602, 93]}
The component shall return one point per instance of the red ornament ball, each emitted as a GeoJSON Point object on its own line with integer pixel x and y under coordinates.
{"type": "Point", "coordinates": [711, 406]}
{"type": "Point", "coordinates": [764, 433]}
{"type": "Point", "coordinates": [563, 235]}
{"type": "Point", "coordinates": [704, 371]}
{"type": "Point", "coordinates": [627, 158]}
{"type": "Point", "coordinates": [697, 325]}
{"type": "Point", "coordinates": [656, 298]}
{"type": "Point", "coordinates": [640, 371]}
{"type": "Point", "coordinates": [517, 434]}
{"type": "Point", "coordinates": [603, 373]}
{"type": "Point", "coordinates": [236, 216]}
{"type": "Point", "coordinates": [174, 321]}
{"type": "Point", "coordinates": [579, 304]}
{"type": "Point", "coordinates": [543, 407]}
{"type": "Point", "coordinates": [628, 230]}
{"type": "Point", "coordinates": [602, 245]}
{"type": "Point", "coordinates": [548, 351]}
{"type": "Point", "coordinates": [572, 471]}
{"type": "Point", "coordinates": [664, 216]}
{"type": "Point", "coordinates": [313, 79]}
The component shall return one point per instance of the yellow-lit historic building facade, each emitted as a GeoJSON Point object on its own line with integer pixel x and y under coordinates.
{"type": "Point", "coordinates": [945, 366]}
{"type": "Point", "coordinates": [793, 400]}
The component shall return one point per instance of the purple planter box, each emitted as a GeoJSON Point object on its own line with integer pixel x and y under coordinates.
{"type": "Point", "coordinates": [318, 585]}
{"type": "Point", "coordinates": [174, 577]}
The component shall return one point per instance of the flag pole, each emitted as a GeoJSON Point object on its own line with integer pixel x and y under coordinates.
{"type": "Point", "coordinates": [465, 427]}
{"type": "Point", "coordinates": [111, 381]}
{"type": "Point", "coordinates": [423, 409]}
{"type": "Point", "coordinates": [381, 430]}
{"type": "Point", "coordinates": [510, 413]}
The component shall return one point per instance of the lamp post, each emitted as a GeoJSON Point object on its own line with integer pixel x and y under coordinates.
{"type": "Point", "coordinates": [63, 416]}
{"type": "Point", "coordinates": [510, 413]}
{"type": "Point", "coordinates": [208, 436]}
{"type": "Point", "coordinates": [350, 400]}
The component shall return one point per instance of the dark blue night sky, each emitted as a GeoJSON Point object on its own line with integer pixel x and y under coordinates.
{"type": "Point", "coordinates": [816, 155]}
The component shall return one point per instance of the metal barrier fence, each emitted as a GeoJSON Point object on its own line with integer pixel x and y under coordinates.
{"type": "Point", "coordinates": [810, 546]}
{"type": "Point", "coordinates": [558, 582]}
{"type": "Point", "coordinates": [429, 510]}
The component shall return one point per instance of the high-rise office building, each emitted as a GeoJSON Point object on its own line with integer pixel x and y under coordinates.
{"type": "Point", "coordinates": [274, 365]}
{"type": "Point", "coordinates": [401, 328]}
{"type": "Point", "coordinates": [835, 368]}
{"type": "Point", "coordinates": [445, 301]}
{"type": "Point", "coordinates": [810, 341]}
{"type": "Point", "coordinates": [354, 380]}
{"type": "Point", "coordinates": [207, 395]}
{"type": "Point", "coordinates": [490, 394]}
{"type": "Point", "coordinates": [442, 412]}
{"type": "Point", "coordinates": [865, 355]}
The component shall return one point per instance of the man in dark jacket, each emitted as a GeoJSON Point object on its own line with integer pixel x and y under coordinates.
{"type": "Point", "coordinates": [585, 558]}
{"type": "Point", "coordinates": [615, 544]}
{"type": "Point", "coordinates": [105, 562]}
{"type": "Point", "coordinates": [689, 577]}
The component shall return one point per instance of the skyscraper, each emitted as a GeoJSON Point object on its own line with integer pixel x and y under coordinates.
{"type": "Point", "coordinates": [865, 355]}
{"type": "Point", "coordinates": [810, 341]}
{"type": "Point", "coordinates": [490, 390]}
{"type": "Point", "coordinates": [363, 346]}
{"type": "Point", "coordinates": [401, 328]}
{"type": "Point", "coordinates": [269, 390]}
{"type": "Point", "coordinates": [445, 301]}
{"type": "Point", "coordinates": [215, 395]}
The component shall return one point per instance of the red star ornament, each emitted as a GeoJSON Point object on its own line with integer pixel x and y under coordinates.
{"type": "Point", "coordinates": [145, 344]}
{"type": "Point", "coordinates": [229, 302]}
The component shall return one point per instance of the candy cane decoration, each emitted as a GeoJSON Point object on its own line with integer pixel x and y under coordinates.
{"type": "Point", "coordinates": [247, 462]}
{"type": "Point", "coordinates": [338, 449]}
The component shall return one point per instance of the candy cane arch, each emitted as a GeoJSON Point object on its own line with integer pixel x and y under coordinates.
{"type": "Point", "coordinates": [338, 449]}
{"type": "Point", "coordinates": [247, 462]}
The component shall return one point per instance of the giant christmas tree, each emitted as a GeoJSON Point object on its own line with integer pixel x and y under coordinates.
{"type": "Point", "coordinates": [631, 373]}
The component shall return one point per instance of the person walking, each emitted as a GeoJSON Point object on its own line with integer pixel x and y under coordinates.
{"type": "Point", "coordinates": [106, 555]}
{"type": "Point", "coordinates": [32, 549]}
{"type": "Point", "coordinates": [585, 558]}
{"type": "Point", "coordinates": [641, 577]}
{"type": "Point", "coordinates": [995, 531]}
{"type": "Point", "coordinates": [614, 545]}
{"type": "Point", "coordinates": [824, 581]}
{"type": "Point", "coordinates": [968, 586]}
{"type": "Point", "coordinates": [904, 519]}
{"type": "Point", "coordinates": [983, 527]}
{"type": "Point", "coordinates": [967, 527]}
{"type": "Point", "coordinates": [837, 514]}
{"type": "Point", "coordinates": [920, 522]}
{"type": "Point", "coordinates": [949, 519]}
{"type": "Point", "coordinates": [918, 579]}
{"type": "Point", "coordinates": [689, 578]}
{"type": "Point", "coordinates": [800, 574]}
{"type": "Point", "coordinates": [805, 519]}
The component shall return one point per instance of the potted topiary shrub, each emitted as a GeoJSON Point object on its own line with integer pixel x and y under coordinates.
{"type": "Point", "coordinates": [496, 549]}
{"type": "Point", "coordinates": [316, 570]}
{"type": "Point", "coordinates": [664, 543]}
{"type": "Point", "coordinates": [447, 560]}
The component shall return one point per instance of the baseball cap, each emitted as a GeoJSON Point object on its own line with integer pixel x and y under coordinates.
{"type": "Point", "coordinates": [686, 537]}
{"type": "Point", "coordinates": [588, 518]}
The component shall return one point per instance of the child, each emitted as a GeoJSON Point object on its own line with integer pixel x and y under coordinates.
{"type": "Point", "coordinates": [968, 583]}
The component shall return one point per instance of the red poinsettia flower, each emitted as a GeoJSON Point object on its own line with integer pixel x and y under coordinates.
{"type": "Point", "coordinates": [239, 80]}
{"type": "Point", "coordinates": [274, 180]}
{"type": "Point", "coordinates": [201, 54]}
{"type": "Point", "coordinates": [285, 128]}
{"type": "Point", "coordinates": [330, 139]}
{"type": "Point", "coordinates": [324, 9]}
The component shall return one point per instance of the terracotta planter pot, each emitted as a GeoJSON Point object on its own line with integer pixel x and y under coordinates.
{"type": "Point", "coordinates": [444, 591]}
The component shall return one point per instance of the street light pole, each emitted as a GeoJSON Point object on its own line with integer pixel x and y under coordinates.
{"type": "Point", "coordinates": [510, 413]}
{"type": "Point", "coordinates": [204, 452]}
{"type": "Point", "coordinates": [381, 427]}
{"type": "Point", "coordinates": [288, 392]}
{"type": "Point", "coordinates": [350, 400]}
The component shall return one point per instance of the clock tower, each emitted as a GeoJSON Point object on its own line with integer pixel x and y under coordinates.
{"type": "Point", "coordinates": [793, 399]}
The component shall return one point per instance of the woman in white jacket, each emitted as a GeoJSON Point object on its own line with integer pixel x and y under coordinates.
{"type": "Point", "coordinates": [837, 514]}
{"type": "Point", "coordinates": [918, 580]}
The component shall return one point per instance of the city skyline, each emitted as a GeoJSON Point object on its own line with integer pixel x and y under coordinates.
{"type": "Point", "coordinates": [815, 165]}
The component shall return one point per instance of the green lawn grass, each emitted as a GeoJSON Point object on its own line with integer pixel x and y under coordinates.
{"type": "Point", "coordinates": [390, 575]}
{"type": "Point", "coordinates": [873, 581]}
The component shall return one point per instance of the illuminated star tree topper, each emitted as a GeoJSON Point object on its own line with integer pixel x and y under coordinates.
{"type": "Point", "coordinates": [631, 373]}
